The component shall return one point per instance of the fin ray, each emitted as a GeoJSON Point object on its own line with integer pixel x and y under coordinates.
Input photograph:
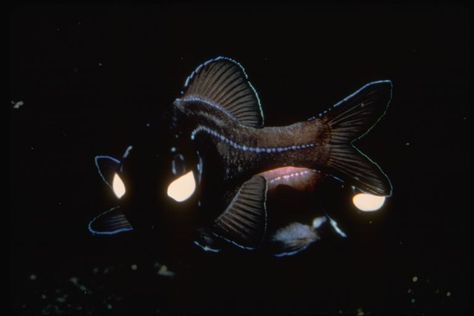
{"type": "Point", "coordinates": [348, 121]}
{"type": "Point", "coordinates": [223, 81]}
{"type": "Point", "coordinates": [110, 222]}
{"type": "Point", "coordinates": [245, 219]}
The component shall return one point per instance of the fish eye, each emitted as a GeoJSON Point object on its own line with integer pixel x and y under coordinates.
{"type": "Point", "coordinates": [182, 188]}
{"type": "Point", "coordinates": [368, 202]}
{"type": "Point", "coordinates": [118, 186]}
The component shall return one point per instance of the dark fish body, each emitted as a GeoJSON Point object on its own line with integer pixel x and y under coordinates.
{"type": "Point", "coordinates": [248, 151]}
{"type": "Point", "coordinates": [217, 131]}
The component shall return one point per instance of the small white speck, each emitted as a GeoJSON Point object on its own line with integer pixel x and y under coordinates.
{"type": "Point", "coordinates": [165, 272]}
{"type": "Point", "coordinates": [74, 280]}
{"type": "Point", "coordinates": [33, 277]}
{"type": "Point", "coordinates": [17, 105]}
{"type": "Point", "coordinates": [414, 279]}
{"type": "Point", "coordinates": [95, 270]}
{"type": "Point", "coordinates": [464, 118]}
{"type": "Point", "coordinates": [410, 291]}
{"type": "Point", "coordinates": [43, 296]}
{"type": "Point", "coordinates": [339, 312]}
{"type": "Point", "coordinates": [360, 312]}
{"type": "Point", "coordinates": [100, 64]}
{"type": "Point", "coordinates": [370, 222]}
{"type": "Point", "coordinates": [407, 144]}
{"type": "Point", "coordinates": [448, 294]}
{"type": "Point", "coordinates": [109, 306]}
{"type": "Point", "coordinates": [134, 267]}
{"type": "Point", "coordinates": [412, 301]}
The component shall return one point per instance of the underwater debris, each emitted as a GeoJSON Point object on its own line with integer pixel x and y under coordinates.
{"type": "Point", "coordinates": [163, 270]}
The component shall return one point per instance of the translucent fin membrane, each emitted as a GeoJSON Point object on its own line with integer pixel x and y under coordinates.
{"type": "Point", "coordinates": [244, 220]}
{"type": "Point", "coordinates": [110, 222]}
{"type": "Point", "coordinates": [222, 82]}
{"type": "Point", "coordinates": [349, 120]}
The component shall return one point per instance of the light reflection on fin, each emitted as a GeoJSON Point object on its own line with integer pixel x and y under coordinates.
{"type": "Point", "coordinates": [206, 248]}
{"type": "Point", "coordinates": [107, 166]}
{"type": "Point", "coordinates": [110, 222]}
{"type": "Point", "coordinates": [336, 227]}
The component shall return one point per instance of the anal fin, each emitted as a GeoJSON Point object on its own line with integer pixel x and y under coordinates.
{"type": "Point", "coordinates": [244, 222]}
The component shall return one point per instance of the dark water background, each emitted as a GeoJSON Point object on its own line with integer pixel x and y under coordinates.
{"type": "Point", "coordinates": [92, 77]}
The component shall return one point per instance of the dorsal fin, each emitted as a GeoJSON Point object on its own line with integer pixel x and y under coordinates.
{"type": "Point", "coordinates": [222, 82]}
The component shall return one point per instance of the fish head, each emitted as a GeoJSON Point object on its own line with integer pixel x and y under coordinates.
{"type": "Point", "coordinates": [162, 185]}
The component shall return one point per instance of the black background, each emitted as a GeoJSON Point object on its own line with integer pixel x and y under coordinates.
{"type": "Point", "coordinates": [92, 77]}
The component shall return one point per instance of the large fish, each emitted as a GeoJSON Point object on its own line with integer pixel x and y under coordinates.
{"type": "Point", "coordinates": [219, 150]}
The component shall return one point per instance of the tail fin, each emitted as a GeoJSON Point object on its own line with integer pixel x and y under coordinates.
{"type": "Point", "coordinates": [349, 120]}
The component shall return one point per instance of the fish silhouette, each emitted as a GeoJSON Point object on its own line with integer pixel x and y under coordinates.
{"type": "Point", "coordinates": [219, 147]}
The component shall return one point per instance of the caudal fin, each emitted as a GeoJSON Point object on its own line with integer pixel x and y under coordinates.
{"type": "Point", "coordinates": [349, 120]}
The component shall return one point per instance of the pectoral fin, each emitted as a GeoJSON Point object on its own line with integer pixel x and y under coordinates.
{"type": "Point", "coordinates": [244, 222]}
{"type": "Point", "coordinates": [111, 222]}
{"type": "Point", "coordinates": [294, 238]}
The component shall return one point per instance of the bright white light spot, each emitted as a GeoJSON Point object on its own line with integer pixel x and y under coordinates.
{"type": "Point", "coordinates": [118, 186]}
{"type": "Point", "coordinates": [368, 202]}
{"type": "Point", "coordinates": [182, 188]}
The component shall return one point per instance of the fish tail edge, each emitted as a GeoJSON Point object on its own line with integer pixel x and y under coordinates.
{"type": "Point", "coordinates": [349, 120]}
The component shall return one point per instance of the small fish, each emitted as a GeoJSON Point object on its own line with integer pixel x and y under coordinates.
{"type": "Point", "coordinates": [219, 150]}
